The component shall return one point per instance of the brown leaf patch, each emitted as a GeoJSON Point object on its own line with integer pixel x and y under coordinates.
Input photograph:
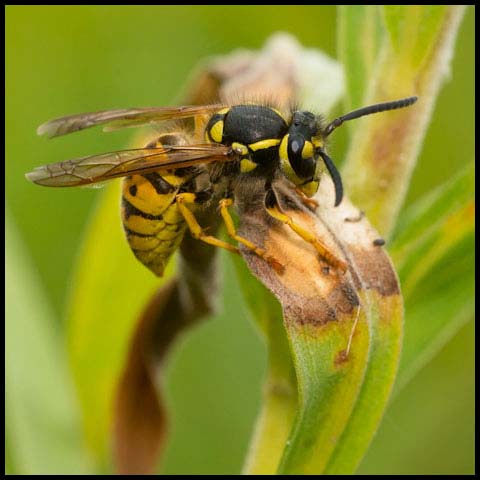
{"type": "Point", "coordinates": [140, 420]}
{"type": "Point", "coordinates": [311, 289]}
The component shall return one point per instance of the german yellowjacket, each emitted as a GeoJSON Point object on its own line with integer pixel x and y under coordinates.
{"type": "Point", "coordinates": [215, 149]}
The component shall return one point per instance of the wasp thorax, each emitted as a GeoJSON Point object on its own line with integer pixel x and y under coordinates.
{"type": "Point", "coordinates": [298, 160]}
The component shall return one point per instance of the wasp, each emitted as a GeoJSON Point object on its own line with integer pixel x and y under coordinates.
{"type": "Point", "coordinates": [215, 149]}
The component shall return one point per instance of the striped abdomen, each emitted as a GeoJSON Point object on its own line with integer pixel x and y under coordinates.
{"type": "Point", "coordinates": [152, 222]}
{"type": "Point", "coordinates": [153, 225]}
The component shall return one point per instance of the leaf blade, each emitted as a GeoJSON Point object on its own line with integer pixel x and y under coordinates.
{"type": "Point", "coordinates": [321, 315]}
{"type": "Point", "coordinates": [360, 34]}
{"type": "Point", "coordinates": [434, 243]}
{"type": "Point", "coordinates": [42, 425]}
{"type": "Point", "coordinates": [384, 356]}
{"type": "Point", "coordinates": [384, 148]}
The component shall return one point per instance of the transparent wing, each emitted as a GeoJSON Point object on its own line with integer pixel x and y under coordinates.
{"type": "Point", "coordinates": [98, 168]}
{"type": "Point", "coordinates": [122, 118]}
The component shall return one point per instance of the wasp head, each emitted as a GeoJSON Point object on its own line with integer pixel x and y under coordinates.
{"type": "Point", "coordinates": [300, 151]}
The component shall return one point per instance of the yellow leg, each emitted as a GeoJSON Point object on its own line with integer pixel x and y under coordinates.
{"type": "Point", "coordinates": [309, 237]}
{"type": "Point", "coordinates": [309, 202]}
{"type": "Point", "coordinates": [232, 232]}
{"type": "Point", "coordinates": [195, 229]}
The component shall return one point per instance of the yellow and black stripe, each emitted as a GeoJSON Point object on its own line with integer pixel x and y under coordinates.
{"type": "Point", "coordinates": [152, 222]}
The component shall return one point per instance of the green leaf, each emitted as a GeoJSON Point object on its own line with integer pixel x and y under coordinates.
{"type": "Point", "coordinates": [42, 426]}
{"type": "Point", "coordinates": [328, 391]}
{"type": "Point", "coordinates": [413, 60]}
{"type": "Point", "coordinates": [431, 219]}
{"type": "Point", "coordinates": [435, 244]}
{"type": "Point", "coordinates": [413, 29]}
{"type": "Point", "coordinates": [360, 33]}
{"type": "Point", "coordinates": [280, 387]}
{"type": "Point", "coordinates": [330, 319]}
{"type": "Point", "coordinates": [386, 324]}
{"type": "Point", "coordinates": [442, 305]}
{"type": "Point", "coordinates": [109, 289]}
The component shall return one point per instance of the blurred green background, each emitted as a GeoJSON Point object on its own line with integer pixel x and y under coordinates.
{"type": "Point", "coordinates": [63, 60]}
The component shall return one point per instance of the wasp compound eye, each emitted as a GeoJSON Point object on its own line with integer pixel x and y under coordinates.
{"type": "Point", "coordinates": [300, 157]}
{"type": "Point", "coordinates": [295, 146]}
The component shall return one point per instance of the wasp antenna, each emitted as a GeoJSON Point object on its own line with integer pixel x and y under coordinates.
{"type": "Point", "coordinates": [361, 112]}
{"type": "Point", "coordinates": [337, 179]}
